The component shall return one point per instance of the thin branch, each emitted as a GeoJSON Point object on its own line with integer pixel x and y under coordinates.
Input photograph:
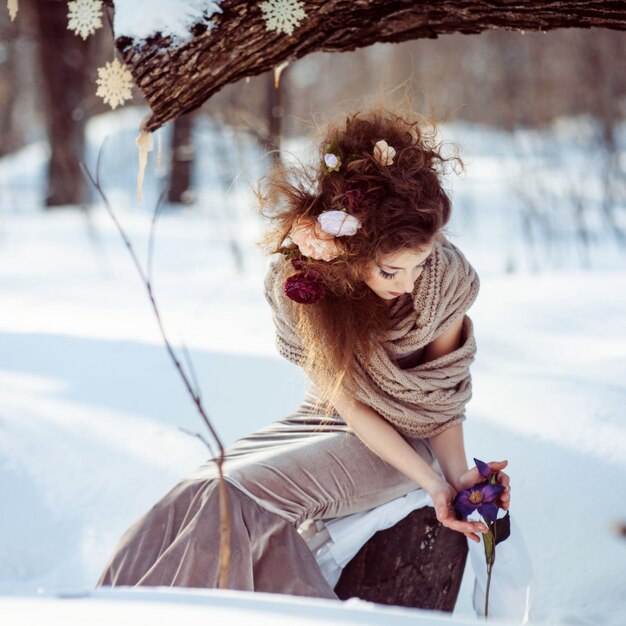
{"type": "Point", "coordinates": [155, 217]}
{"type": "Point", "coordinates": [199, 436]}
{"type": "Point", "coordinates": [225, 524]}
{"type": "Point", "coordinates": [191, 369]}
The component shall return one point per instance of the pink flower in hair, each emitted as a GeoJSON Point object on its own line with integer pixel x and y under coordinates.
{"type": "Point", "coordinates": [313, 242]}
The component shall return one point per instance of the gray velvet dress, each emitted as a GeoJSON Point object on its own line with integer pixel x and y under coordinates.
{"type": "Point", "coordinates": [295, 469]}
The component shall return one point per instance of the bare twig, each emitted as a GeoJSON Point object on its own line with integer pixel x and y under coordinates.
{"type": "Point", "coordinates": [225, 526]}
{"type": "Point", "coordinates": [192, 370]}
{"type": "Point", "coordinates": [199, 436]}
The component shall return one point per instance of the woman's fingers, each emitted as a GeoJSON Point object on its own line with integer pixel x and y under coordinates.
{"type": "Point", "coordinates": [497, 465]}
{"type": "Point", "coordinates": [505, 496]}
{"type": "Point", "coordinates": [504, 479]}
{"type": "Point", "coordinates": [469, 529]}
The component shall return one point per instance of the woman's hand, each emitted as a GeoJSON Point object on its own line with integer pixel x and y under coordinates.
{"type": "Point", "coordinates": [442, 495]}
{"type": "Point", "coordinates": [472, 477]}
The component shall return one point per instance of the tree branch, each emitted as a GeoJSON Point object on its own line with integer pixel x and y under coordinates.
{"type": "Point", "coordinates": [236, 43]}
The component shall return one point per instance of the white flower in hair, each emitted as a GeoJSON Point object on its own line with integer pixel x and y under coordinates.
{"type": "Point", "coordinates": [332, 161]}
{"type": "Point", "coordinates": [384, 153]}
{"type": "Point", "coordinates": [339, 223]}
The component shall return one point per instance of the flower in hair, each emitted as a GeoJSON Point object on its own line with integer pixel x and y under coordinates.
{"type": "Point", "coordinates": [332, 157]}
{"type": "Point", "coordinates": [384, 153]}
{"type": "Point", "coordinates": [305, 286]}
{"type": "Point", "coordinates": [358, 197]}
{"type": "Point", "coordinates": [332, 162]}
{"type": "Point", "coordinates": [339, 223]}
{"type": "Point", "coordinates": [312, 241]}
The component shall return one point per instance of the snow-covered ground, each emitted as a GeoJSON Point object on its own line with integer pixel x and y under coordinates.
{"type": "Point", "coordinates": [91, 407]}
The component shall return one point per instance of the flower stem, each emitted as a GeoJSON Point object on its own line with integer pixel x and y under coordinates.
{"type": "Point", "coordinates": [489, 568]}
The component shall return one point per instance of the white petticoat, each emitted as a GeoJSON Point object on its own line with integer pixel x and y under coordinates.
{"type": "Point", "coordinates": [336, 541]}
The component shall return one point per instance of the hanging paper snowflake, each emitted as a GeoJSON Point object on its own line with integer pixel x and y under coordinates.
{"type": "Point", "coordinates": [114, 83]}
{"type": "Point", "coordinates": [283, 15]}
{"type": "Point", "coordinates": [84, 17]}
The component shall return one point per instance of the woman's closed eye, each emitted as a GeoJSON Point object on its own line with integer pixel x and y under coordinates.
{"type": "Point", "coordinates": [390, 275]}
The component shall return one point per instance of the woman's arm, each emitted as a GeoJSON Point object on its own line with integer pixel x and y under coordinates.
{"type": "Point", "coordinates": [449, 449]}
{"type": "Point", "coordinates": [448, 445]}
{"type": "Point", "coordinates": [385, 441]}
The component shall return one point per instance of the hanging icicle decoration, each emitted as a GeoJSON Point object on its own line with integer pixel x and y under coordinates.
{"type": "Point", "coordinates": [278, 71]}
{"type": "Point", "coordinates": [144, 142]}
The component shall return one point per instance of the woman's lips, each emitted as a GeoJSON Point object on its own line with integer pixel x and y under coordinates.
{"type": "Point", "coordinates": [393, 293]}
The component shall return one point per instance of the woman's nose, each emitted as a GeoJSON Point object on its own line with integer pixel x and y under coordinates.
{"type": "Point", "coordinates": [406, 285]}
{"type": "Point", "coordinates": [408, 282]}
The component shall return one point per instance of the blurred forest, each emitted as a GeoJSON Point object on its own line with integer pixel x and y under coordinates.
{"type": "Point", "coordinates": [507, 80]}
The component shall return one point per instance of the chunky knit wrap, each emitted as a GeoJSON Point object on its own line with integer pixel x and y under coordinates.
{"type": "Point", "coordinates": [419, 399]}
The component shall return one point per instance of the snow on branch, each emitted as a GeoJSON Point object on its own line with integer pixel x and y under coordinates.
{"type": "Point", "coordinates": [140, 20]}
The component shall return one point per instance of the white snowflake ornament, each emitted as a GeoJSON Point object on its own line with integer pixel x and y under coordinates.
{"type": "Point", "coordinates": [84, 17]}
{"type": "Point", "coordinates": [114, 83]}
{"type": "Point", "coordinates": [283, 15]}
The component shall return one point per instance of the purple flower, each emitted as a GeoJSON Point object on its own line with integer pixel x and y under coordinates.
{"type": "Point", "coordinates": [305, 287]}
{"type": "Point", "coordinates": [480, 497]}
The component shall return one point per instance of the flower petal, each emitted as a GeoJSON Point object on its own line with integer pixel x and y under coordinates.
{"type": "Point", "coordinates": [462, 503]}
{"type": "Point", "coordinates": [338, 223]}
{"type": "Point", "coordinates": [331, 160]}
{"type": "Point", "coordinates": [304, 234]}
{"type": "Point", "coordinates": [483, 469]}
{"type": "Point", "coordinates": [489, 511]}
{"type": "Point", "coordinates": [303, 288]}
{"type": "Point", "coordinates": [491, 492]}
{"type": "Point", "coordinates": [384, 153]}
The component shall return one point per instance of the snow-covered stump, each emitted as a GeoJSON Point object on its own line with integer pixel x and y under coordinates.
{"type": "Point", "coordinates": [416, 563]}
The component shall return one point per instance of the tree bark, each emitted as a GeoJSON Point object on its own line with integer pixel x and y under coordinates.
{"type": "Point", "coordinates": [235, 43]}
{"type": "Point", "coordinates": [64, 61]}
{"type": "Point", "coordinates": [11, 134]}
{"type": "Point", "coordinates": [417, 563]}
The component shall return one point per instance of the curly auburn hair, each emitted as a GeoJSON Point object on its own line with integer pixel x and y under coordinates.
{"type": "Point", "coordinates": [402, 206]}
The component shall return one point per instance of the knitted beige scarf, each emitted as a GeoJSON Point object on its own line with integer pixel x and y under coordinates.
{"type": "Point", "coordinates": [421, 399]}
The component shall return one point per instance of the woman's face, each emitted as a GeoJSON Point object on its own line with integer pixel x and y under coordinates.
{"type": "Point", "coordinates": [397, 272]}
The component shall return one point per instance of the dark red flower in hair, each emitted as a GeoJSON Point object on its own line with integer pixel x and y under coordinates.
{"type": "Point", "coordinates": [297, 263]}
{"type": "Point", "coordinates": [305, 287]}
{"type": "Point", "coordinates": [358, 197]}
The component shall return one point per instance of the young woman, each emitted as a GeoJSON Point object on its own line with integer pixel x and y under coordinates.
{"type": "Point", "coordinates": [370, 298]}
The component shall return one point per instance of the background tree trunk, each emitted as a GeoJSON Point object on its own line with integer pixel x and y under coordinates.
{"type": "Point", "coordinates": [182, 157]}
{"type": "Point", "coordinates": [64, 62]}
{"type": "Point", "coordinates": [11, 135]}
{"type": "Point", "coordinates": [275, 106]}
